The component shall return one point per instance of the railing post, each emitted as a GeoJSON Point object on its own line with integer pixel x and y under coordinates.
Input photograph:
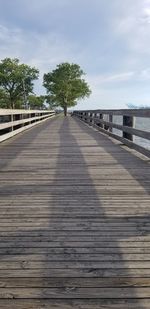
{"type": "Point", "coordinates": [12, 120]}
{"type": "Point", "coordinates": [87, 119]}
{"type": "Point", "coordinates": [110, 120]}
{"type": "Point", "coordinates": [85, 115]}
{"type": "Point", "coordinates": [94, 120]}
{"type": "Point", "coordinates": [100, 124]}
{"type": "Point", "coordinates": [129, 122]}
{"type": "Point", "coordinates": [91, 120]}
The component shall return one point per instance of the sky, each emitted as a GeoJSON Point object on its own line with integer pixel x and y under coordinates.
{"type": "Point", "coordinates": [109, 39]}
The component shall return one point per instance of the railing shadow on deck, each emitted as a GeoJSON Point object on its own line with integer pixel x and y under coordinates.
{"type": "Point", "coordinates": [127, 164]}
{"type": "Point", "coordinates": [67, 249]}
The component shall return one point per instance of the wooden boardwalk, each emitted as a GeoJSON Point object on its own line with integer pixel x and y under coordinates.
{"type": "Point", "coordinates": [74, 220]}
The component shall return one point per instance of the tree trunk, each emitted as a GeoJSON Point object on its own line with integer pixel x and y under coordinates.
{"type": "Point", "coordinates": [12, 103]}
{"type": "Point", "coordinates": [65, 110]}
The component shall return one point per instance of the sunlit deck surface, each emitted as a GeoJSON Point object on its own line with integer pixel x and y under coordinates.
{"type": "Point", "coordinates": [74, 220]}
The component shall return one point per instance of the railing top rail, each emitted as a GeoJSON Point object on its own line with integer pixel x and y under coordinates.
{"type": "Point", "coordinates": [4, 111]}
{"type": "Point", "coordinates": [127, 112]}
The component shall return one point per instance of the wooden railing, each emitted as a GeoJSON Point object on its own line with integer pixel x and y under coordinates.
{"type": "Point", "coordinates": [104, 121]}
{"type": "Point", "coordinates": [14, 121]}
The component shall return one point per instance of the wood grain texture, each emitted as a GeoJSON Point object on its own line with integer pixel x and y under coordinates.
{"type": "Point", "coordinates": [74, 220]}
{"type": "Point", "coordinates": [75, 303]}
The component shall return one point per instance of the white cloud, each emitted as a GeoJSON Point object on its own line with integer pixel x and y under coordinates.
{"type": "Point", "coordinates": [115, 78]}
{"type": "Point", "coordinates": [144, 75]}
{"type": "Point", "coordinates": [41, 51]}
{"type": "Point", "coordinates": [132, 25]}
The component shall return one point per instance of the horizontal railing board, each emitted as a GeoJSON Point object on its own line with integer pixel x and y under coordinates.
{"type": "Point", "coordinates": [21, 121]}
{"type": "Point", "coordinates": [131, 130]}
{"type": "Point", "coordinates": [4, 111]}
{"type": "Point", "coordinates": [125, 112]}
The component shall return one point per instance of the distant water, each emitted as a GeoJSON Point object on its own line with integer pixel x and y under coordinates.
{"type": "Point", "coordinates": [144, 125]}
{"type": "Point", "coordinates": [140, 123]}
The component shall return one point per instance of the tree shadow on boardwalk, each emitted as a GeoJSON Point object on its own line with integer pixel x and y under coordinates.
{"type": "Point", "coordinates": [74, 250]}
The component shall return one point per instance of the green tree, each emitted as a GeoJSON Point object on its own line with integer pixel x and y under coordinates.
{"type": "Point", "coordinates": [36, 102]}
{"type": "Point", "coordinates": [65, 86]}
{"type": "Point", "coordinates": [4, 99]}
{"type": "Point", "coordinates": [16, 80]}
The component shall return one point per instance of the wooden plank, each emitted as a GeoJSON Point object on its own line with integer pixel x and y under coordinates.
{"type": "Point", "coordinates": [47, 240]}
{"type": "Point", "coordinates": [11, 265]}
{"type": "Point", "coordinates": [74, 292]}
{"type": "Point", "coordinates": [83, 244]}
{"type": "Point", "coordinates": [75, 257]}
{"type": "Point", "coordinates": [73, 282]}
{"type": "Point", "coordinates": [76, 272]}
{"type": "Point", "coordinates": [75, 303]}
{"type": "Point", "coordinates": [74, 221]}
{"type": "Point", "coordinates": [75, 250]}
{"type": "Point", "coordinates": [76, 229]}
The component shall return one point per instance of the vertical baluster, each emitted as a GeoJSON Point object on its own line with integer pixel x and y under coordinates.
{"type": "Point", "coordinates": [129, 122]}
{"type": "Point", "coordinates": [110, 120]}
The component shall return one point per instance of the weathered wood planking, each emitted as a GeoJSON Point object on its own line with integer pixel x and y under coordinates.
{"type": "Point", "coordinates": [75, 303]}
{"type": "Point", "coordinates": [74, 221]}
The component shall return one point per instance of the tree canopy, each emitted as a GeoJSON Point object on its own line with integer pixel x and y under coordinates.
{"type": "Point", "coordinates": [16, 81]}
{"type": "Point", "coordinates": [36, 102]}
{"type": "Point", "coordinates": [65, 86]}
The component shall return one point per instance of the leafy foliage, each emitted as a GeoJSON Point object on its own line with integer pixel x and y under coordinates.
{"type": "Point", "coordinates": [4, 99]}
{"type": "Point", "coordinates": [65, 86]}
{"type": "Point", "coordinates": [16, 80]}
{"type": "Point", "coordinates": [36, 102]}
